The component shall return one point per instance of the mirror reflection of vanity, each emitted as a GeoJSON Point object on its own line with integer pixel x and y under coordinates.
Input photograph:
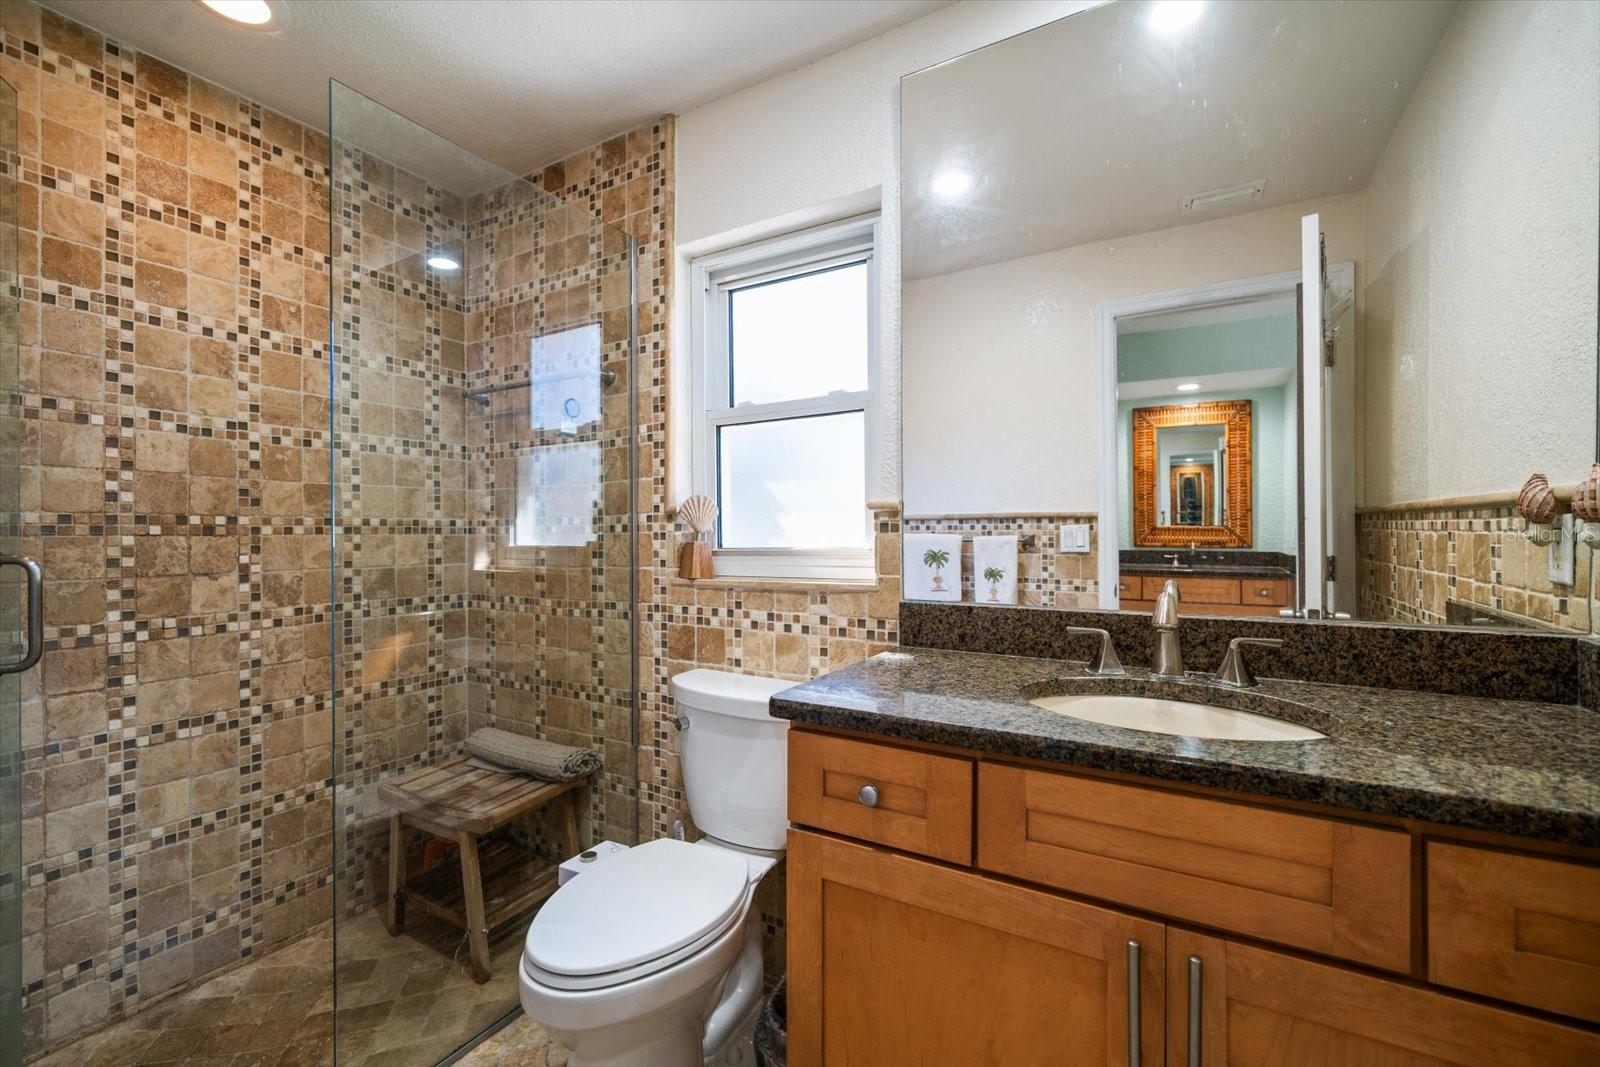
{"type": "Point", "coordinates": [1282, 300]}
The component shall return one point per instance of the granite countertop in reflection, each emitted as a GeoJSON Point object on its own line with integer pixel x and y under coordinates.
{"type": "Point", "coordinates": [1507, 766]}
{"type": "Point", "coordinates": [1206, 570]}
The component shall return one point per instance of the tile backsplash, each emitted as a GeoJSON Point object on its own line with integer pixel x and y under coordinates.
{"type": "Point", "coordinates": [1415, 563]}
{"type": "Point", "coordinates": [1046, 577]}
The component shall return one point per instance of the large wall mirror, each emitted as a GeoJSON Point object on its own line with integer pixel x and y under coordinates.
{"type": "Point", "coordinates": [1285, 300]}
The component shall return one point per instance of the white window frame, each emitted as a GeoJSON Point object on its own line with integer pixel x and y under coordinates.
{"type": "Point", "coordinates": [713, 278]}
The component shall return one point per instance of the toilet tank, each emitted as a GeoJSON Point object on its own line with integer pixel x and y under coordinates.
{"type": "Point", "coordinates": [735, 756]}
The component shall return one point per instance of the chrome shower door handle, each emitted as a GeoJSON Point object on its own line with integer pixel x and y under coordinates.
{"type": "Point", "coordinates": [35, 646]}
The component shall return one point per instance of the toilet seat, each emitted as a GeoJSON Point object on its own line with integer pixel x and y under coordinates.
{"type": "Point", "coordinates": [635, 915]}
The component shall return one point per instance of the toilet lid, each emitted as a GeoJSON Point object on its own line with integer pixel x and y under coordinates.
{"type": "Point", "coordinates": [645, 903]}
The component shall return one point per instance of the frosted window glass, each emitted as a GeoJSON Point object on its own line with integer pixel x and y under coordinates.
{"type": "Point", "coordinates": [801, 337]}
{"type": "Point", "coordinates": [565, 371]}
{"type": "Point", "coordinates": [558, 490]}
{"type": "Point", "coordinates": [794, 483]}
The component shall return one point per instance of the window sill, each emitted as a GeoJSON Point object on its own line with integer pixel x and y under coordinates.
{"type": "Point", "coordinates": [781, 585]}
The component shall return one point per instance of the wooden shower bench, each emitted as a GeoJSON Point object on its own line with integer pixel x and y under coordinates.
{"type": "Point", "coordinates": [498, 880]}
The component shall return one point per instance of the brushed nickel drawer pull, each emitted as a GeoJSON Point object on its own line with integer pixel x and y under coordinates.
{"type": "Point", "coordinates": [868, 795]}
{"type": "Point", "coordinates": [1195, 968]}
{"type": "Point", "coordinates": [1134, 1020]}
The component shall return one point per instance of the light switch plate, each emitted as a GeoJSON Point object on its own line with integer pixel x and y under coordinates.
{"type": "Point", "coordinates": [1562, 553]}
{"type": "Point", "coordinates": [1073, 537]}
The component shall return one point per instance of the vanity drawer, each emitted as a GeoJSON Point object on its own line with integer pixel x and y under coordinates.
{"type": "Point", "coordinates": [1523, 928]}
{"type": "Point", "coordinates": [1195, 590]}
{"type": "Point", "coordinates": [923, 801]}
{"type": "Point", "coordinates": [1273, 592]}
{"type": "Point", "coordinates": [1318, 884]}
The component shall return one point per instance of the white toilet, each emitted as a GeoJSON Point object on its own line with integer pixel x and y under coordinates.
{"type": "Point", "coordinates": [653, 958]}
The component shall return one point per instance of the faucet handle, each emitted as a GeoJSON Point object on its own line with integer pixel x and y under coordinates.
{"type": "Point", "coordinates": [1235, 671]}
{"type": "Point", "coordinates": [1165, 615]}
{"type": "Point", "coordinates": [1105, 661]}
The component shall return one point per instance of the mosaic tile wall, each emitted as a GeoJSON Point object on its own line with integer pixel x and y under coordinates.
{"type": "Point", "coordinates": [1413, 563]}
{"type": "Point", "coordinates": [402, 498]}
{"type": "Point", "coordinates": [551, 626]}
{"type": "Point", "coordinates": [1046, 578]}
{"type": "Point", "coordinates": [485, 539]}
{"type": "Point", "coordinates": [174, 372]}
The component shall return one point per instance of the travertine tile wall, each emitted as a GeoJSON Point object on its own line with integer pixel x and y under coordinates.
{"type": "Point", "coordinates": [402, 497]}
{"type": "Point", "coordinates": [448, 624]}
{"type": "Point", "coordinates": [174, 372]}
{"type": "Point", "coordinates": [551, 626]}
{"type": "Point", "coordinates": [1046, 576]}
{"type": "Point", "coordinates": [1414, 562]}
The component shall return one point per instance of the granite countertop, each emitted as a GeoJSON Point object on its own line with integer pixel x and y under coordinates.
{"type": "Point", "coordinates": [1513, 767]}
{"type": "Point", "coordinates": [1206, 570]}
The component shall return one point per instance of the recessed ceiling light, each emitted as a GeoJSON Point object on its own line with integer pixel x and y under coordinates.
{"type": "Point", "coordinates": [440, 262]}
{"type": "Point", "coordinates": [1189, 387]}
{"type": "Point", "coordinates": [1170, 16]}
{"type": "Point", "coordinates": [951, 183]}
{"type": "Point", "coordinates": [246, 12]}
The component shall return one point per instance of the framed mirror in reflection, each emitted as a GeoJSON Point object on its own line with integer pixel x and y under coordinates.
{"type": "Point", "coordinates": [1286, 302]}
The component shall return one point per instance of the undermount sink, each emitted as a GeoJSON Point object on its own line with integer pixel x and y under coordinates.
{"type": "Point", "coordinates": [1179, 717]}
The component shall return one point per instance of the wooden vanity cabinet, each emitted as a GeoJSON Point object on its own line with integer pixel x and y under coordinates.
{"type": "Point", "coordinates": [1319, 884]}
{"type": "Point", "coordinates": [969, 953]}
{"type": "Point", "coordinates": [1523, 928]}
{"type": "Point", "coordinates": [1209, 595]}
{"type": "Point", "coordinates": [895, 960]}
{"type": "Point", "coordinates": [1240, 1005]}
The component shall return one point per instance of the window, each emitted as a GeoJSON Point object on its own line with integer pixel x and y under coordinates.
{"type": "Point", "coordinates": [785, 336]}
{"type": "Point", "coordinates": [553, 445]}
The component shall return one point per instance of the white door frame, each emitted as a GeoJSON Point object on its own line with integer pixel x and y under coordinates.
{"type": "Point", "coordinates": [1106, 316]}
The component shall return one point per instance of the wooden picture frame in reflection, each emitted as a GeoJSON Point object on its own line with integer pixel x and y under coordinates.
{"type": "Point", "coordinates": [1233, 528]}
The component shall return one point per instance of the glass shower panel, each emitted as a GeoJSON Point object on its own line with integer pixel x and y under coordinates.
{"type": "Point", "coordinates": [11, 597]}
{"type": "Point", "coordinates": [483, 412]}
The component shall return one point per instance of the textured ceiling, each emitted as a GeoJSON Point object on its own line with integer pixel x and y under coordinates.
{"type": "Point", "coordinates": [518, 83]}
{"type": "Point", "coordinates": [1096, 126]}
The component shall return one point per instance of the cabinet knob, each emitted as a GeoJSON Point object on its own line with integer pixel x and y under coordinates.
{"type": "Point", "coordinates": [868, 795]}
{"type": "Point", "coordinates": [1263, 592]}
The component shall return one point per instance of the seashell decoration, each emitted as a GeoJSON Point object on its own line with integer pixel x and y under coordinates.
{"type": "Point", "coordinates": [699, 513]}
{"type": "Point", "coordinates": [1537, 501]}
{"type": "Point", "coordinates": [1586, 498]}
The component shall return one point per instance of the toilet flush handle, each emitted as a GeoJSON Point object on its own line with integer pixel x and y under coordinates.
{"type": "Point", "coordinates": [868, 795]}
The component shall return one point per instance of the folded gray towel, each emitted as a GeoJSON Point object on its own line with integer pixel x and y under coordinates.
{"type": "Point", "coordinates": [542, 759]}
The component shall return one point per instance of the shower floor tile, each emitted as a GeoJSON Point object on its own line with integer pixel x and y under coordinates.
{"type": "Point", "coordinates": [405, 1001]}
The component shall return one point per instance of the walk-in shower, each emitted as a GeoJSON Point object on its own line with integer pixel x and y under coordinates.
{"type": "Point", "coordinates": [483, 412]}
{"type": "Point", "coordinates": [324, 444]}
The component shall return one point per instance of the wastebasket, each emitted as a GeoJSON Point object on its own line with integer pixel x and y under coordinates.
{"type": "Point", "coordinates": [772, 1028]}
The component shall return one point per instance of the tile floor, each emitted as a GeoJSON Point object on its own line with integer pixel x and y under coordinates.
{"type": "Point", "coordinates": [404, 1002]}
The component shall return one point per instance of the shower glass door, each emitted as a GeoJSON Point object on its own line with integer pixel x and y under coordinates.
{"type": "Point", "coordinates": [12, 603]}
{"type": "Point", "coordinates": [482, 415]}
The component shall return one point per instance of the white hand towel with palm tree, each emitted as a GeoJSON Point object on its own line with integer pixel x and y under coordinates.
{"type": "Point", "coordinates": [932, 566]}
{"type": "Point", "coordinates": [994, 569]}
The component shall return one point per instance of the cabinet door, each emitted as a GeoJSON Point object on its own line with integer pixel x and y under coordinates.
{"type": "Point", "coordinates": [898, 961]}
{"type": "Point", "coordinates": [1234, 1005]}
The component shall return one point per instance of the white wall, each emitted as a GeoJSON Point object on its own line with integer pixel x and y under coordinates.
{"type": "Point", "coordinates": [1479, 340]}
{"type": "Point", "coordinates": [819, 143]}
{"type": "Point", "coordinates": [1001, 364]}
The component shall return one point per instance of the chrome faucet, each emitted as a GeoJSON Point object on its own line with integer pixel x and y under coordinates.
{"type": "Point", "coordinates": [1168, 659]}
